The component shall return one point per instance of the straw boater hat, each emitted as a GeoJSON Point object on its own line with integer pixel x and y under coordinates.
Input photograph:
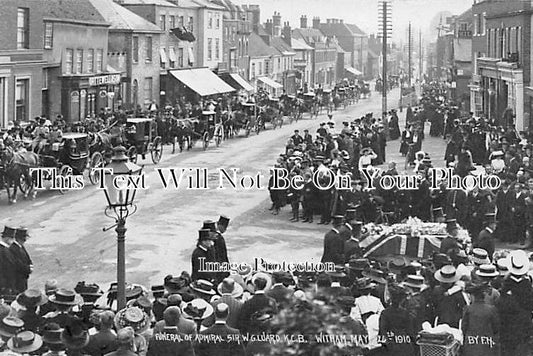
{"type": "Point", "coordinates": [414, 281]}
{"type": "Point", "coordinates": [25, 342]}
{"type": "Point", "coordinates": [65, 297]}
{"type": "Point", "coordinates": [487, 271]}
{"type": "Point", "coordinates": [10, 326]}
{"type": "Point", "coordinates": [31, 298]}
{"type": "Point", "coordinates": [503, 266]}
{"type": "Point", "coordinates": [480, 256]}
{"type": "Point", "coordinates": [134, 317]}
{"type": "Point", "coordinates": [202, 286]}
{"type": "Point", "coordinates": [228, 285]}
{"type": "Point", "coordinates": [518, 263]}
{"type": "Point", "coordinates": [198, 309]}
{"type": "Point", "coordinates": [265, 276]}
{"type": "Point", "coordinates": [447, 274]}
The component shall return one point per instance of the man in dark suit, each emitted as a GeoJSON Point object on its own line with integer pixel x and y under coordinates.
{"type": "Point", "coordinates": [23, 262]}
{"type": "Point", "coordinates": [485, 238]}
{"type": "Point", "coordinates": [351, 247]}
{"type": "Point", "coordinates": [227, 340]}
{"type": "Point", "coordinates": [221, 252]}
{"type": "Point", "coordinates": [346, 229]}
{"type": "Point", "coordinates": [202, 254]}
{"type": "Point", "coordinates": [478, 205]}
{"type": "Point", "coordinates": [296, 138]}
{"type": "Point", "coordinates": [456, 206]}
{"type": "Point", "coordinates": [519, 210]}
{"type": "Point", "coordinates": [334, 243]}
{"type": "Point", "coordinates": [504, 199]}
{"type": "Point", "coordinates": [258, 303]}
{"type": "Point", "coordinates": [7, 262]}
{"type": "Point", "coordinates": [230, 292]}
{"type": "Point", "coordinates": [279, 292]}
{"type": "Point", "coordinates": [170, 341]}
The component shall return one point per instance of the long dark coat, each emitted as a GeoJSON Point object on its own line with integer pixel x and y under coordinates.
{"type": "Point", "coordinates": [481, 320]}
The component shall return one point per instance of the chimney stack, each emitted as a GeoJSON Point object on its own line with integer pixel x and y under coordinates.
{"type": "Point", "coordinates": [269, 27]}
{"type": "Point", "coordinates": [287, 33]}
{"type": "Point", "coordinates": [303, 21]}
{"type": "Point", "coordinates": [316, 22]}
{"type": "Point", "coordinates": [276, 24]}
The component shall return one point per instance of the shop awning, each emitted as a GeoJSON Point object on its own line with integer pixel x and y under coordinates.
{"type": "Point", "coordinates": [236, 81]}
{"type": "Point", "coordinates": [202, 81]}
{"type": "Point", "coordinates": [191, 55]}
{"type": "Point", "coordinates": [172, 54]}
{"type": "Point", "coordinates": [163, 55]}
{"type": "Point", "coordinates": [353, 71]}
{"type": "Point", "coordinates": [271, 83]}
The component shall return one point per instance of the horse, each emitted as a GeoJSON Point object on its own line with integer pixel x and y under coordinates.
{"type": "Point", "coordinates": [16, 170]}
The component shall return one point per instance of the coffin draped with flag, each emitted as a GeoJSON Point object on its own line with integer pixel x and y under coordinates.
{"type": "Point", "coordinates": [413, 239]}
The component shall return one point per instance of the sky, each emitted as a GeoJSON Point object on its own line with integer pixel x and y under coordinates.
{"type": "Point", "coordinates": [363, 13]}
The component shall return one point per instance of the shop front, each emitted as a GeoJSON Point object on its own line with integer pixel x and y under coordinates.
{"type": "Point", "coordinates": [84, 97]}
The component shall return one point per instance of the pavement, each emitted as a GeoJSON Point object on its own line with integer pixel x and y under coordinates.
{"type": "Point", "coordinates": [69, 245]}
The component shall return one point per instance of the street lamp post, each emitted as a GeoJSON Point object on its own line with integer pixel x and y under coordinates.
{"type": "Point", "coordinates": [120, 195]}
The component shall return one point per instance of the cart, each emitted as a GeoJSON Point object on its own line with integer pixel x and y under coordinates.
{"type": "Point", "coordinates": [141, 138]}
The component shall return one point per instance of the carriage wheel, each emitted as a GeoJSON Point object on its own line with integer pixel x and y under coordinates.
{"type": "Point", "coordinates": [132, 154]}
{"type": "Point", "coordinates": [64, 171]}
{"type": "Point", "coordinates": [25, 183]}
{"type": "Point", "coordinates": [205, 140]}
{"type": "Point", "coordinates": [97, 161]}
{"type": "Point", "coordinates": [156, 150]}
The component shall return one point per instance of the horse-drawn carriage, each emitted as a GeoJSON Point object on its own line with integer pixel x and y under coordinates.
{"type": "Point", "coordinates": [141, 138]}
{"type": "Point", "coordinates": [270, 113]}
{"type": "Point", "coordinates": [208, 128]}
{"type": "Point", "coordinates": [311, 105]}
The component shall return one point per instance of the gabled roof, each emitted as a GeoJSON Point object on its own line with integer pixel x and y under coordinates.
{"type": "Point", "coordinates": [74, 10]}
{"type": "Point", "coordinates": [259, 48]}
{"type": "Point", "coordinates": [309, 35]}
{"type": "Point", "coordinates": [121, 18]}
{"type": "Point", "coordinates": [282, 46]}
{"type": "Point", "coordinates": [300, 45]}
{"type": "Point", "coordinates": [341, 29]}
{"type": "Point", "coordinates": [148, 2]}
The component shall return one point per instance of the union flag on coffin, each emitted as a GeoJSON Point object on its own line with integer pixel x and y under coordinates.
{"type": "Point", "coordinates": [418, 247]}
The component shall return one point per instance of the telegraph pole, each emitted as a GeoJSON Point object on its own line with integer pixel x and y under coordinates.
{"type": "Point", "coordinates": [420, 55]}
{"type": "Point", "coordinates": [410, 49]}
{"type": "Point", "coordinates": [385, 31]}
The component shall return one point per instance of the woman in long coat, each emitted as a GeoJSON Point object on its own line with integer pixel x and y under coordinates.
{"type": "Point", "coordinates": [481, 325]}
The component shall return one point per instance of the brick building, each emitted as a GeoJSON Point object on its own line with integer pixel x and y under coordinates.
{"type": "Point", "coordinates": [79, 83]}
{"type": "Point", "coordinates": [21, 60]}
{"type": "Point", "coordinates": [501, 48]}
{"type": "Point", "coordinates": [133, 49]}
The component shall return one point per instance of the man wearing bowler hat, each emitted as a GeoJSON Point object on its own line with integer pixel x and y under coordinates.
{"type": "Point", "coordinates": [23, 262]}
{"type": "Point", "coordinates": [7, 261]}
{"type": "Point", "coordinates": [203, 253]}
{"type": "Point", "coordinates": [334, 243]}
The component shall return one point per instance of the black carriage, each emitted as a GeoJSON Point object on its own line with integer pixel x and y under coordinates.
{"type": "Point", "coordinates": [141, 138]}
{"type": "Point", "coordinates": [271, 113]}
{"type": "Point", "coordinates": [208, 127]}
{"type": "Point", "coordinates": [182, 133]}
{"type": "Point", "coordinates": [69, 156]}
{"type": "Point", "coordinates": [311, 104]}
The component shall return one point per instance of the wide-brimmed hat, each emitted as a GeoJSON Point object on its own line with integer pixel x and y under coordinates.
{"type": "Point", "coordinates": [10, 326]}
{"type": "Point", "coordinates": [8, 232]}
{"type": "Point", "coordinates": [375, 275]}
{"type": "Point", "coordinates": [31, 298]}
{"type": "Point", "coordinates": [198, 309]}
{"type": "Point", "coordinates": [414, 281]}
{"type": "Point", "coordinates": [75, 336]}
{"type": "Point", "coordinates": [52, 333]}
{"type": "Point", "coordinates": [6, 310]}
{"type": "Point", "coordinates": [366, 150]}
{"type": "Point", "coordinates": [447, 274]}
{"type": "Point", "coordinates": [25, 342]}
{"type": "Point", "coordinates": [64, 296]}
{"type": "Point", "coordinates": [518, 262]}
{"type": "Point", "coordinates": [487, 271]}
{"type": "Point", "coordinates": [397, 264]}
{"type": "Point", "coordinates": [89, 292]}
{"type": "Point", "coordinates": [202, 286]}
{"type": "Point", "coordinates": [480, 256]}
{"type": "Point", "coordinates": [134, 317]}
{"type": "Point", "coordinates": [359, 264]}
{"type": "Point", "coordinates": [502, 265]}
{"type": "Point", "coordinates": [230, 286]}
{"type": "Point", "coordinates": [177, 284]}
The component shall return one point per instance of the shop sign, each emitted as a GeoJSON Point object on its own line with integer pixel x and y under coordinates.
{"type": "Point", "coordinates": [104, 79]}
{"type": "Point", "coordinates": [103, 93]}
{"type": "Point", "coordinates": [75, 97]}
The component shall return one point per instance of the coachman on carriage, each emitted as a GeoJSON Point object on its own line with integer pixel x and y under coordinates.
{"type": "Point", "coordinates": [141, 138]}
